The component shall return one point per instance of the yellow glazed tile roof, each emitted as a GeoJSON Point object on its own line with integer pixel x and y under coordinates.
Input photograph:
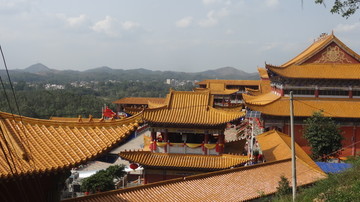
{"type": "Point", "coordinates": [237, 184]}
{"type": "Point", "coordinates": [234, 108]}
{"type": "Point", "coordinates": [230, 82]}
{"type": "Point", "coordinates": [263, 73]}
{"type": "Point", "coordinates": [222, 91]}
{"type": "Point", "coordinates": [35, 146]}
{"type": "Point", "coordinates": [262, 99]}
{"type": "Point", "coordinates": [319, 71]}
{"type": "Point", "coordinates": [277, 146]}
{"type": "Point", "coordinates": [139, 100]}
{"type": "Point", "coordinates": [186, 108]}
{"type": "Point", "coordinates": [184, 161]}
{"type": "Point", "coordinates": [263, 88]}
{"type": "Point", "coordinates": [316, 47]}
{"type": "Point", "coordinates": [303, 107]}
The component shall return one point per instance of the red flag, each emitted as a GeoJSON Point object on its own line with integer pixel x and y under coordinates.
{"type": "Point", "coordinates": [107, 112]}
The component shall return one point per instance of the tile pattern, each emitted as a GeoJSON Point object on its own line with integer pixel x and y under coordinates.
{"type": "Point", "coordinates": [139, 100]}
{"type": "Point", "coordinates": [304, 107]}
{"type": "Point", "coordinates": [34, 146]}
{"type": "Point", "coordinates": [319, 71]}
{"type": "Point", "coordinates": [185, 109]}
{"type": "Point", "coordinates": [277, 146]}
{"type": "Point", "coordinates": [238, 184]}
{"type": "Point", "coordinates": [230, 82]}
{"type": "Point", "coordinates": [188, 161]}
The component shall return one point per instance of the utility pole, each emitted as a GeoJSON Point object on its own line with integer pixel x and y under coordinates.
{"type": "Point", "coordinates": [293, 160]}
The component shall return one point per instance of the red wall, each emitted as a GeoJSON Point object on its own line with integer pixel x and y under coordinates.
{"type": "Point", "coordinates": [351, 134]}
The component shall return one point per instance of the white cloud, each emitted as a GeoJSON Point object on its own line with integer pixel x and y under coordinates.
{"type": "Point", "coordinates": [272, 3]}
{"type": "Point", "coordinates": [107, 26]}
{"type": "Point", "coordinates": [347, 27]}
{"type": "Point", "coordinates": [209, 2]}
{"type": "Point", "coordinates": [212, 17]}
{"type": "Point", "coordinates": [184, 22]}
{"type": "Point", "coordinates": [129, 25]}
{"type": "Point", "coordinates": [75, 21]}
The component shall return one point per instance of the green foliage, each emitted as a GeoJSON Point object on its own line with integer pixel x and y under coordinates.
{"type": "Point", "coordinates": [103, 179]}
{"type": "Point", "coordinates": [34, 101]}
{"type": "Point", "coordinates": [284, 186]}
{"type": "Point", "coordinates": [344, 7]}
{"type": "Point", "coordinates": [323, 135]}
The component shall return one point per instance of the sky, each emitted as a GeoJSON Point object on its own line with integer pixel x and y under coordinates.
{"type": "Point", "coordinates": [186, 35]}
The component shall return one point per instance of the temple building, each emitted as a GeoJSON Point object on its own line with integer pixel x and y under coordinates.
{"type": "Point", "coordinates": [136, 102]}
{"type": "Point", "coordinates": [37, 155]}
{"type": "Point", "coordinates": [187, 137]}
{"type": "Point", "coordinates": [227, 92]}
{"type": "Point", "coordinates": [236, 184]}
{"type": "Point", "coordinates": [324, 77]}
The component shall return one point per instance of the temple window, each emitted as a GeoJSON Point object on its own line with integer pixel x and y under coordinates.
{"type": "Point", "coordinates": [334, 92]}
{"type": "Point", "coordinates": [195, 138]}
{"type": "Point", "coordinates": [175, 137]}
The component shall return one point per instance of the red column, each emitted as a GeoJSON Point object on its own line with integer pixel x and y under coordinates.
{"type": "Point", "coordinates": [153, 140]}
{"type": "Point", "coordinates": [350, 94]}
{"type": "Point", "coordinates": [281, 92]}
{"type": "Point", "coordinates": [221, 142]}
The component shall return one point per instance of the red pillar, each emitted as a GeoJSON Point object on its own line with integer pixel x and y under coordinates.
{"type": "Point", "coordinates": [281, 92]}
{"type": "Point", "coordinates": [221, 142]}
{"type": "Point", "coordinates": [153, 140]}
{"type": "Point", "coordinates": [350, 94]}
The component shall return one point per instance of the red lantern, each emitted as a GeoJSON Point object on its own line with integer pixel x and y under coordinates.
{"type": "Point", "coordinates": [134, 166]}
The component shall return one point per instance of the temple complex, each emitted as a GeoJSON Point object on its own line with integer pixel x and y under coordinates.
{"type": "Point", "coordinates": [137, 102]}
{"type": "Point", "coordinates": [37, 155]}
{"type": "Point", "coordinates": [227, 92]}
{"type": "Point", "coordinates": [187, 136]}
{"type": "Point", "coordinates": [236, 184]}
{"type": "Point", "coordinates": [324, 77]}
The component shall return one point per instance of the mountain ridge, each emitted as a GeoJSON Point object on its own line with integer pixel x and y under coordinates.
{"type": "Point", "coordinates": [41, 73]}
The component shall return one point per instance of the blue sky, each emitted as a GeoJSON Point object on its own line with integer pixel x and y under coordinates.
{"type": "Point", "coordinates": [186, 35]}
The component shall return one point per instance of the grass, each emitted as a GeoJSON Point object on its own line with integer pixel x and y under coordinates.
{"type": "Point", "coordinates": [337, 187]}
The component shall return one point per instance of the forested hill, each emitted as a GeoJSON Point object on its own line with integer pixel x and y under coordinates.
{"type": "Point", "coordinates": [41, 73]}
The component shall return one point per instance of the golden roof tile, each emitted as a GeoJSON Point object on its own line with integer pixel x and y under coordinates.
{"type": "Point", "coordinates": [33, 146]}
{"type": "Point", "coordinates": [277, 146]}
{"type": "Point", "coordinates": [304, 107]}
{"type": "Point", "coordinates": [184, 161]}
{"type": "Point", "coordinates": [222, 91]}
{"type": "Point", "coordinates": [262, 99]}
{"type": "Point", "coordinates": [186, 108]}
{"type": "Point", "coordinates": [263, 73]}
{"type": "Point", "coordinates": [319, 71]}
{"type": "Point", "coordinates": [237, 184]}
{"type": "Point", "coordinates": [139, 100]}
{"type": "Point", "coordinates": [230, 82]}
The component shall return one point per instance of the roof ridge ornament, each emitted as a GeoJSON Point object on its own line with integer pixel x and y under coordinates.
{"type": "Point", "coordinates": [322, 36]}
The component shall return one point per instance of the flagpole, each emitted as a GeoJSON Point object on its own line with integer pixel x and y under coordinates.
{"type": "Point", "coordinates": [293, 160]}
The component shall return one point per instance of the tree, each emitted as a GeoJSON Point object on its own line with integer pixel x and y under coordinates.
{"type": "Point", "coordinates": [344, 7]}
{"type": "Point", "coordinates": [323, 135]}
{"type": "Point", "coordinates": [103, 180]}
{"type": "Point", "coordinates": [283, 186]}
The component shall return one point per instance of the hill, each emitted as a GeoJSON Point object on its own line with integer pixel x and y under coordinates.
{"type": "Point", "coordinates": [41, 73]}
